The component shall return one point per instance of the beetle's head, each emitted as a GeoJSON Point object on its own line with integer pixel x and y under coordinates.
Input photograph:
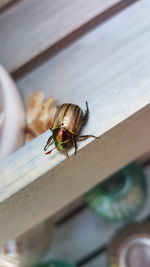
{"type": "Point", "coordinates": [62, 138]}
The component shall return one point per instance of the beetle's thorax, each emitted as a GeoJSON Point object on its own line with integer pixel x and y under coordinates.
{"type": "Point", "coordinates": [62, 138]}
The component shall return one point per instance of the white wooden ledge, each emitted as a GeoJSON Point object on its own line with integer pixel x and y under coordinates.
{"type": "Point", "coordinates": [30, 27]}
{"type": "Point", "coordinates": [114, 78]}
{"type": "Point", "coordinates": [34, 186]}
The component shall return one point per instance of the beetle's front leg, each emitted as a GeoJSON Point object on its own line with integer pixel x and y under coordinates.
{"type": "Point", "coordinates": [48, 143]}
{"type": "Point", "coordinates": [84, 137]}
{"type": "Point", "coordinates": [67, 156]}
{"type": "Point", "coordinates": [75, 145]}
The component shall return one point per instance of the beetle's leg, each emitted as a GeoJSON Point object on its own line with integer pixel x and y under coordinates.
{"type": "Point", "coordinates": [86, 112]}
{"type": "Point", "coordinates": [67, 155]}
{"type": "Point", "coordinates": [84, 137]}
{"type": "Point", "coordinates": [48, 143]}
{"type": "Point", "coordinates": [49, 152]}
{"type": "Point", "coordinates": [75, 145]}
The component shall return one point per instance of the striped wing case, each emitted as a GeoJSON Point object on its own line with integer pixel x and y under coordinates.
{"type": "Point", "coordinates": [69, 116]}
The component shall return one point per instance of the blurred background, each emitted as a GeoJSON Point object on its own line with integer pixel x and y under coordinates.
{"type": "Point", "coordinates": [52, 52]}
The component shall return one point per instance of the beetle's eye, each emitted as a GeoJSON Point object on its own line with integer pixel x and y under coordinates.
{"type": "Point", "coordinates": [65, 136]}
{"type": "Point", "coordinates": [59, 135]}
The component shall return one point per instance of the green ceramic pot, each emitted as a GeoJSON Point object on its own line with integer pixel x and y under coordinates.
{"type": "Point", "coordinates": [121, 196]}
{"type": "Point", "coordinates": [55, 264]}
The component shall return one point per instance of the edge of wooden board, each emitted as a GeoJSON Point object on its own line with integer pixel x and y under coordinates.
{"type": "Point", "coordinates": [25, 205]}
{"type": "Point", "coordinates": [52, 36]}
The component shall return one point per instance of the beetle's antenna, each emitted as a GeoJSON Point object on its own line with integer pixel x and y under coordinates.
{"type": "Point", "coordinates": [49, 152]}
{"type": "Point", "coordinates": [86, 115]}
{"type": "Point", "coordinates": [87, 107]}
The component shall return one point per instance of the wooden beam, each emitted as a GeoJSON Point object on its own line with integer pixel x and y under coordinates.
{"type": "Point", "coordinates": [4, 4]}
{"type": "Point", "coordinates": [31, 27]}
{"type": "Point", "coordinates": [34, 187]}
{"type": "Point", "coordinates": [107, 67]}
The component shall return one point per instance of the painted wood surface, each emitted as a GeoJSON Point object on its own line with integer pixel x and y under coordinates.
{"type": "Point", "coordinates": [100, 261]}
{"type": "Point", "coordinates": [80, 236]}
{"type": "Point", "coordinates": [100, 68]}
{"type": "Point", "coordinates": [30, 27]}
{"type": "Point", "coordinates": [33, 186]}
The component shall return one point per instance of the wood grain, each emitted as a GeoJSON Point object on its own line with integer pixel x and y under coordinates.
{"type": "Point", "coordinates": [30, 27]}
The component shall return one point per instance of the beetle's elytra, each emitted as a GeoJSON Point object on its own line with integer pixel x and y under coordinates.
{"type": "Point", "coordinates": [67, 124]}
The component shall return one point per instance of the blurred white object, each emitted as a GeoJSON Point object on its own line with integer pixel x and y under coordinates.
{"type": "Point", "coordinates": [29, 248]}
{"type": "Point", "coordinates": [12, 115]}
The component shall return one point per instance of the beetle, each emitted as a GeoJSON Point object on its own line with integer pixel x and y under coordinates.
{"type": "Point", "coordinates": [68, 122]}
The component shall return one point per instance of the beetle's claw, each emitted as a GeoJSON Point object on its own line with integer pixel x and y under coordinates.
{"type": "Point", "coordinates": [67, 155]}
{"type": "Point", "coordinates": [46, 153]}
{"type": "Point", "coordinates": [46, 146]}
